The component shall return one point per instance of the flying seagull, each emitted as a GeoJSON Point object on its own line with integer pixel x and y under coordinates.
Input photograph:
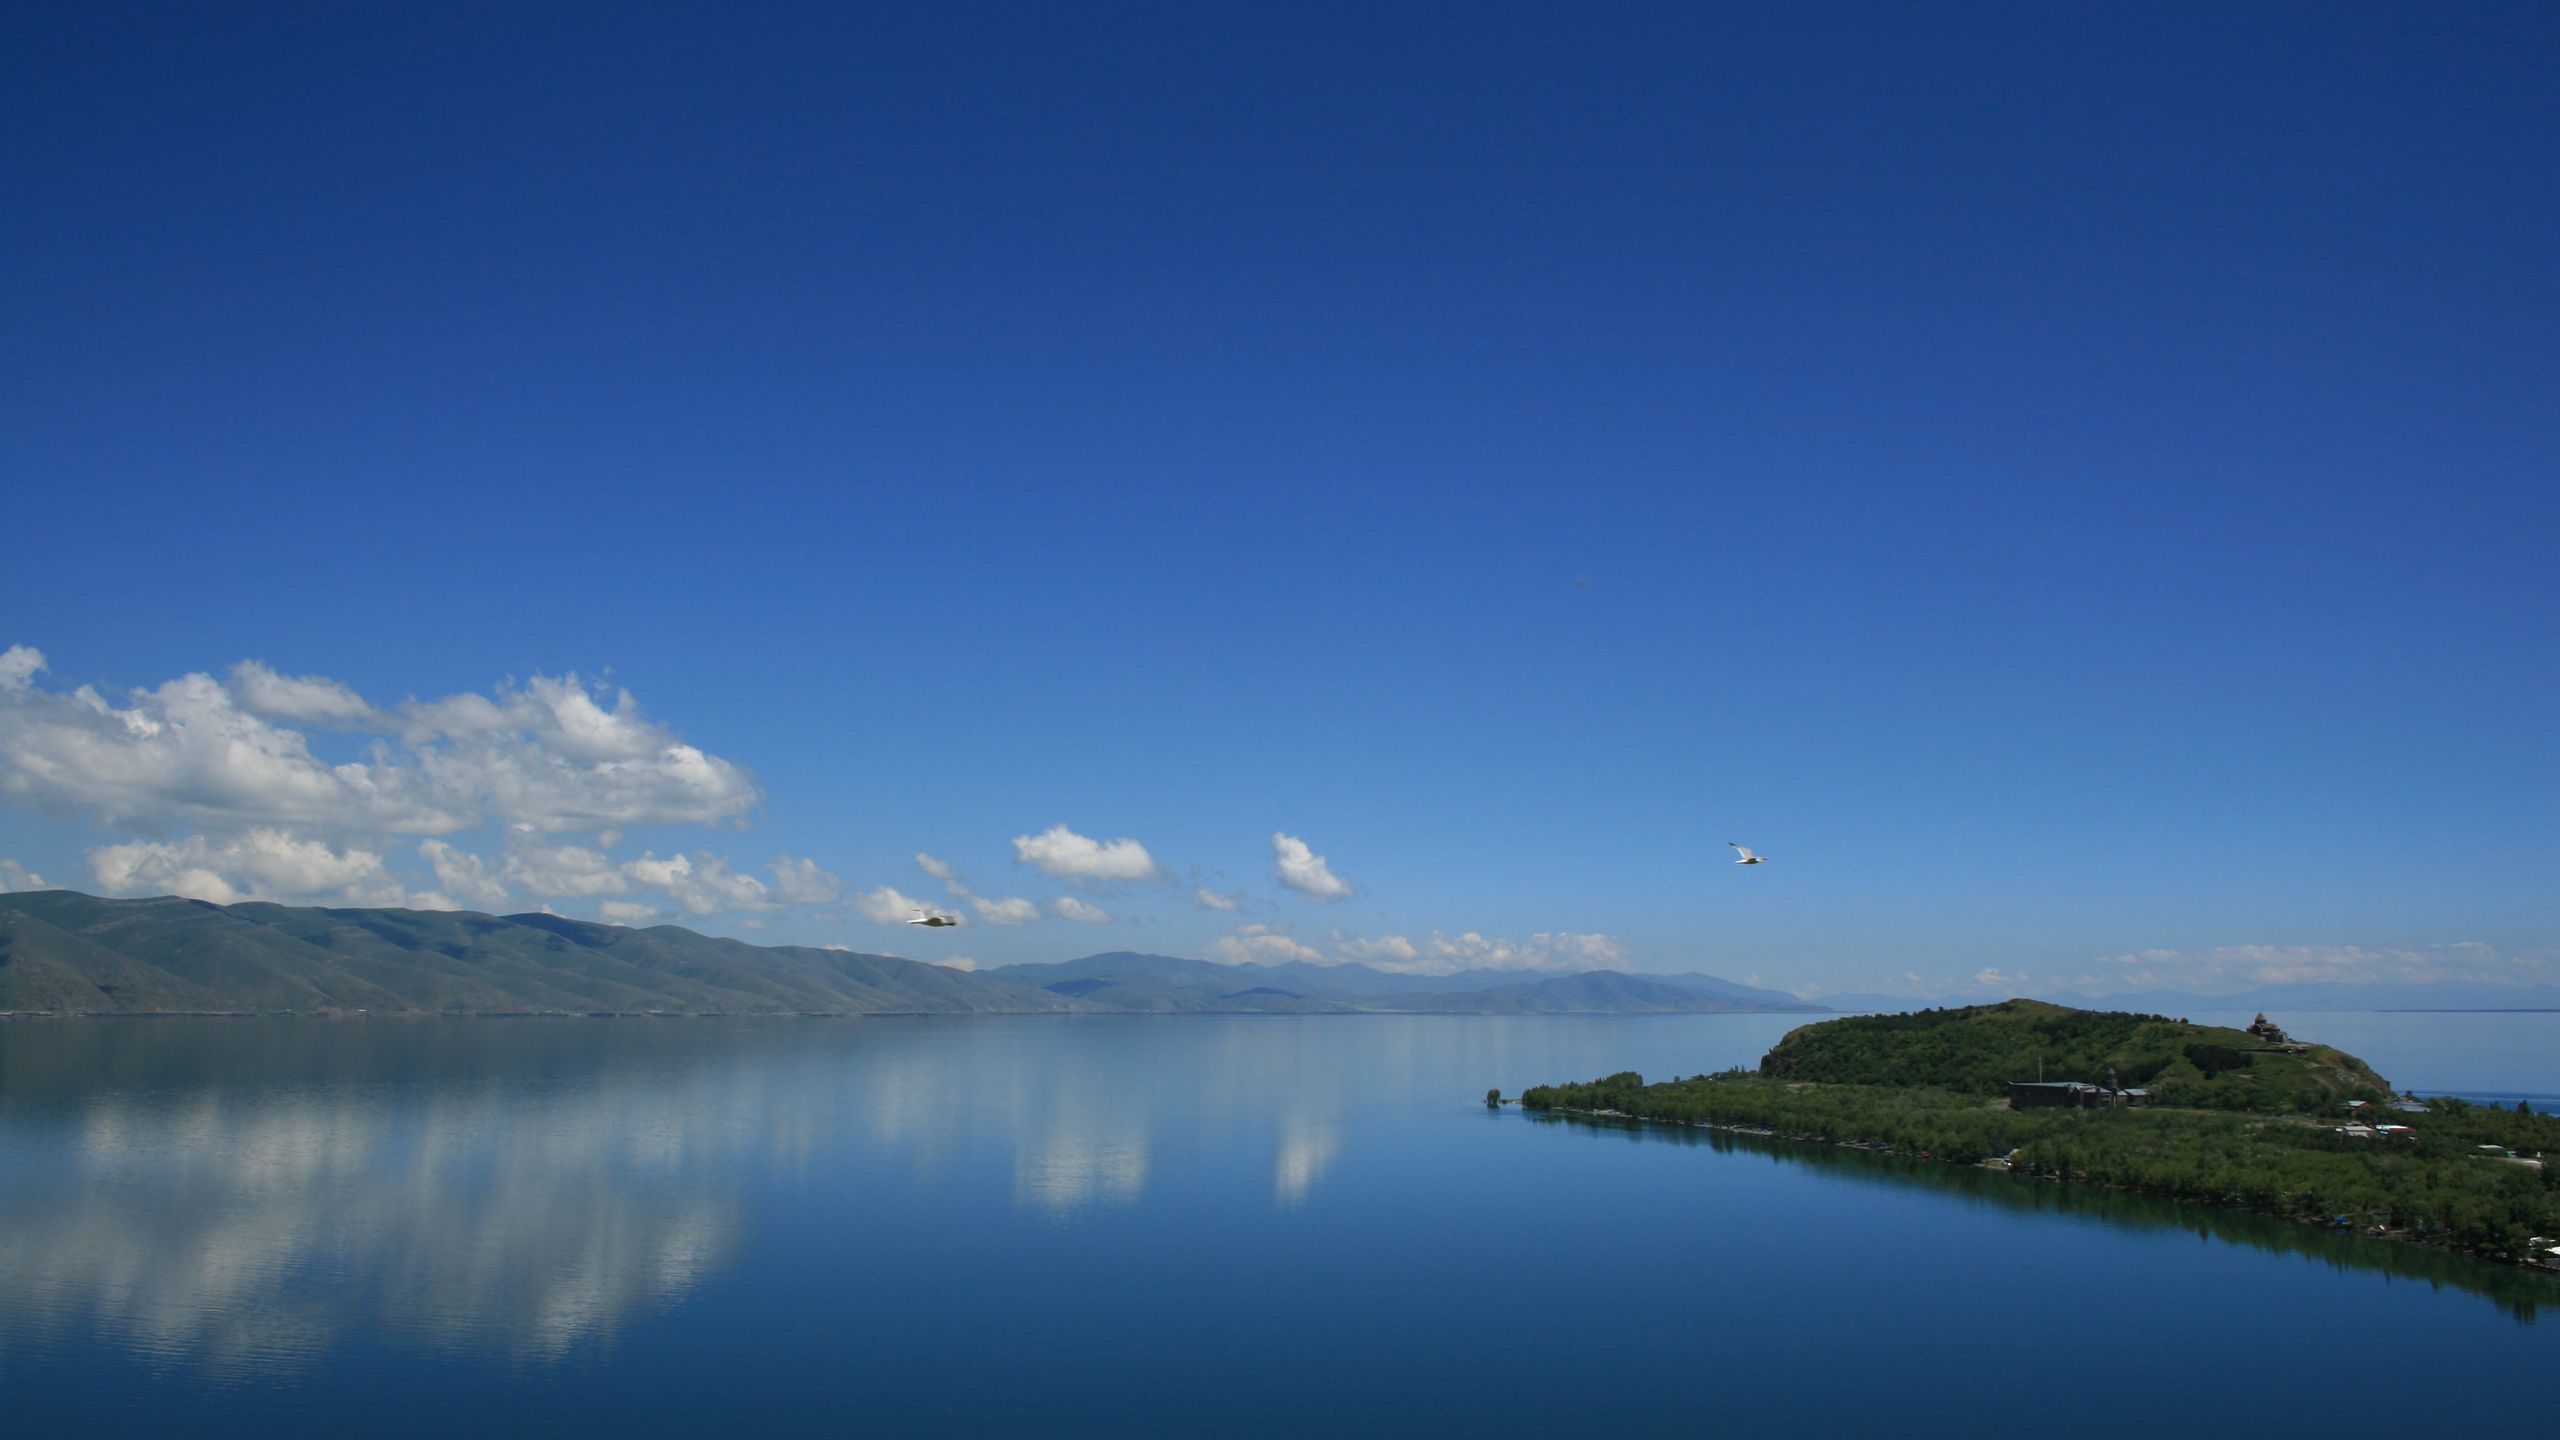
{"type": "Point", "coordinates": [937, 918]}
{"type": "Point", "coordinates": [1747, 857]}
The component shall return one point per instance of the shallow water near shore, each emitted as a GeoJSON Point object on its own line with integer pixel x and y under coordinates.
{"type": "Point", "coordinates": [1137, 1225]}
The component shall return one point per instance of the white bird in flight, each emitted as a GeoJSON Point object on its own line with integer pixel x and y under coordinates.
{"type": "Point", "coordinates": [937, 918]}
{"type": "Point", "coordinates": [1747, 857]}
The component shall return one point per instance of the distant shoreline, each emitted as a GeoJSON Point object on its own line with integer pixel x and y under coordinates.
{"type": "Point", "coordinates": [68, 1015]}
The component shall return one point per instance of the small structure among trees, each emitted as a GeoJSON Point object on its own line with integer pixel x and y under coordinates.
{"type": "Point", "coordinates": [2079, 1094]}
{"type": "Point", "coordinates": [2073, 1094]}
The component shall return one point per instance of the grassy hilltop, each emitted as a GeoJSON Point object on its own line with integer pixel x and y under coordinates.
{"type": "Point", "coordinates": [1979, 1049]}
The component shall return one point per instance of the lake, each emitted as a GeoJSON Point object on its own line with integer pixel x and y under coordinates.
{"type": "Point", "coordinates": [1108, 1225]}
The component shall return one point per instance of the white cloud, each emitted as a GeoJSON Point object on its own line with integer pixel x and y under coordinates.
{"type": "Point", "coordinates": [1062, 852]}
{"type": "Point", "coordinates": [1068, 907]}
{"type": "Point", "coordinates": [1208, 899]}
{"type": "Point", "coordinates": [195, 752]}
{"type": "Point", "coordinates": [567, 871]}
{"type": "Point", "coordinates": [702, 883]}
{"type": "Point", "coordinates": [943, 871]}
{"type": "Point", "coordinates": [886, 906]}
{"type": "Point", "coordinates": [627, 912]}
{"type": "Point", "coordinates": [1992, 977]}
{"type": "Point", "coordinates": [1383, 951]}
{"type": "Point", "coordinates": [463, 876]}
{"type": "Point", "coordinates": [1263, 944]}
{"type": "Point", "coordinates": [19, 666]}
{"type": "Point", "coordinates": [1303, 870]}
{"type": "Point", "coordinates": [801, 882]}
{"type": "Point", "coordinates": [308, 699]}
{"type": "Point", "coordinates": [1436, 954]}
{"type": "Point", "coordinates": [1443, 954]}
{"type": "Point", "coordinates": [15, 877]}
{"type": "Point", "coordinates": [253, 865]}
{"type": "Point", "coordinates": [957, 962]}
{"type": "Point", "coordinates": [1004, 912]}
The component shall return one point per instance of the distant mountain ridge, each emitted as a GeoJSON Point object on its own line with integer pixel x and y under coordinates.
{"type": "Point", "coordinates": [63, 952]}
{"type": "Point", "coordinates": [1170, 984]}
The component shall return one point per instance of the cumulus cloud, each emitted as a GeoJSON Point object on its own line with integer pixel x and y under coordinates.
{"type": "Point", "coordinates": [943, 871]}
{"type": "Point", "coordinates": [1442, 954]}
{"type": "Point", "coordinates": [1068, 907]}
{"type": "Point", "coordinates": [1303, 870]}
{"type": "Point", "coordinates": [702, 883]}
{"type": "Point", "coordinates": [957, 962]}
{"type": "Point", "coordinates": [462, 877]}
{"type": "Point", "coordinates": [1208, 899]}
{"type": "Point", "coordinates": [1008, 911]}
{"type": "Point", "coordinates": [549, 753]}
{"type": "Point", "coordinates": [801, 882]}
{"type": "Point", "coordinates": [569, 871]}
{"type": "Point", "coordinates": [19, 666]}
{"type": "Point", "coordinates": [1062, 852]}
{"type": "Point", "coordinates": [306, 699]}
{"type": "Point", "coordinates": [1383, 951]}
{"type": "Point", "coordinates": [258, 864]}
{"type": "Point", "coordinates": [15, 877]}
{"type": "Point", "coordinates": [886, 906]}
{"type": "Point", "coordinates": [235, 759]}
{"type": "Point", "coordinates": [1438, 953]}
{"type": "Point", "coordinates": [1261, 944]}
{"type": "Point", "coordinates": [626, 912]}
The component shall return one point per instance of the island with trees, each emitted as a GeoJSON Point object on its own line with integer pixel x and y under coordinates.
{"type": "Point", "coordinates": [2246, 1118]}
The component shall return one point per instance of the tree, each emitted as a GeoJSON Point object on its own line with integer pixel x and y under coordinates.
{"type": "Point", "coordinates": [1493, 1097]}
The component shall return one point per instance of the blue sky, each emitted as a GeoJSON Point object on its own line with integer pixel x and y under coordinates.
{"type": "Point", "coordinates": [2066, 483]}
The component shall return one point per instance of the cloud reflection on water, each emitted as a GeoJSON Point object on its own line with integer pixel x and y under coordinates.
{"type": "Point", "coordinates": [250, 1231]}
{"type": "Point", "coordinates": [247, 1195]}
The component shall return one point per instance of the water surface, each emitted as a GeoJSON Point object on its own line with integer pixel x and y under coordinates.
{"type": "Point", "coordinates": [1133, 1225]}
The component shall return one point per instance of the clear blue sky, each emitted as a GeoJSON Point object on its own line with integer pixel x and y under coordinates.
{"type": "Point", "coordinates": [2062, 481]}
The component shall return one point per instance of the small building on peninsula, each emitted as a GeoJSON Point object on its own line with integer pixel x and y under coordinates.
{"type": "Point", "coordinates": [2072, 1094]}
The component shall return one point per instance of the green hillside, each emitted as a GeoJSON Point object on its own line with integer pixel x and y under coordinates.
{"type": "Point", "coordinates": [1980, 1049]}
{"type": "Point", "coordinates": [66, 953]}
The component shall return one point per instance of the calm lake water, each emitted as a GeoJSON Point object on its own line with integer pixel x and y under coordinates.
{"type": "Point", "coordinates": [1141, 1226]}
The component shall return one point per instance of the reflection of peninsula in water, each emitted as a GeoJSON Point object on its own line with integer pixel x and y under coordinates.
{"type": "Point", "coordinates": [2521, 1292]}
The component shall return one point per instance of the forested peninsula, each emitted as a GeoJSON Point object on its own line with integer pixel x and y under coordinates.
{"type": "Point", "coordinates": [2245, 1118]}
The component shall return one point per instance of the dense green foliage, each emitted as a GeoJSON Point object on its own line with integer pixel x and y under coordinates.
{"type": "Point", "coordinates": [2437, 1186]}
{"type": "Point", "coordinates": [1980, 1049]}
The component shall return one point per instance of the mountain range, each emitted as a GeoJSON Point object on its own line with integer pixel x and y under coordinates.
{"type": "Point", "coordinates": [62, 952]}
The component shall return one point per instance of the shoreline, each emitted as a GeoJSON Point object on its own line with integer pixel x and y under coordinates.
{"type": "Point", "coordinates": [2002, 1166]}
